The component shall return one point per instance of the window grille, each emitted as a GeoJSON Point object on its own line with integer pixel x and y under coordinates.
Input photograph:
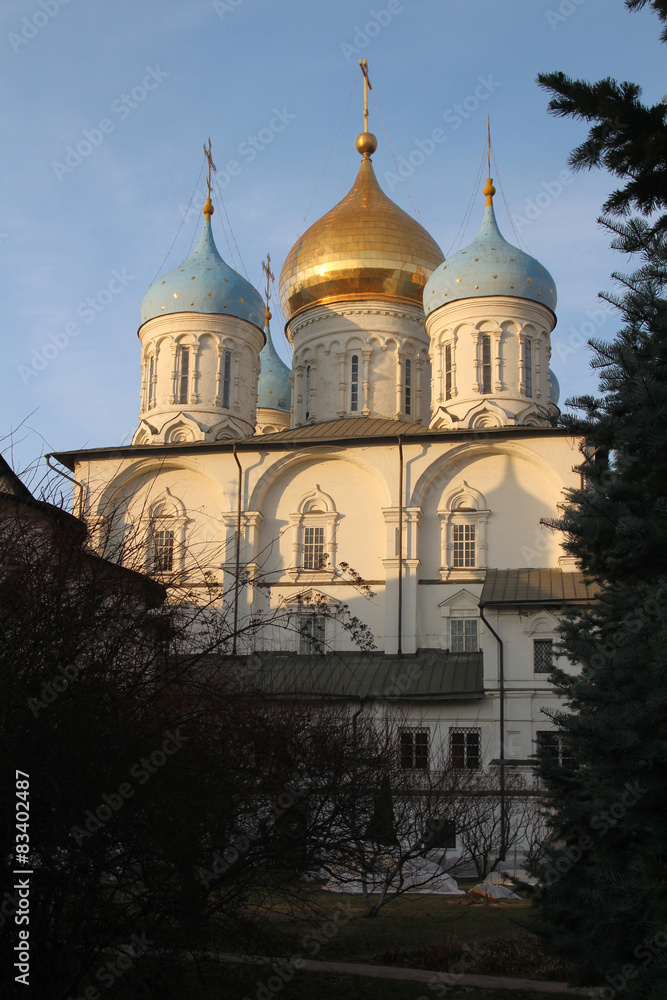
{"type": "Point", "coordinates": [354, 384]}
{"type": "Point", "coordinates": [543, 656]}
{"type": "Point", "coordinates": [163, 551]}
{"type": "Point", "coordinates": [463, 635]}
{"type": "Point", "coordinates": [414, 748]}
{"type": "Point", "coordinates": [183, 374]}
{"type": "Point", "coordinates": [528, 367]}
{"type": "Point", "coordinates": [486, 362]}
{"type": "Point", "coordinates": [313, 548]}
{"type": "Point", "coordinates": [312, 633]}
{"type": "Point", "coordinates": [226, 378]}
{"type": "Point", "coordinates": [448, 371]}
{"type": "Point", "coordinates": [408, 385]}
{"type": "Point", "coordinates": [463, 546]}
{"type": "Point", "coordinates": [151, 383]}
{"type": "Point", "coordinates": [465, 748]}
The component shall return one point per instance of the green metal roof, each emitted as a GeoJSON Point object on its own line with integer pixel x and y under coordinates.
{"type": "Point", "coordinates": [536, 586]}
{"type": "Point", "coordinates": [427, 675]}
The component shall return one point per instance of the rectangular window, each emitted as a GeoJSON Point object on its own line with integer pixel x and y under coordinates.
{"type": "Point", "coordinates": [312, 633]}
{"type": "Point", "coordinates": [408, 385]}
{"type": "Point", "coordinates": [354, 384]}
{"type": "Point", "coordinates": [465, 748]}
{"type": "Point", "coordinates": [486, 362]}
{"type": "Point", "coordinates": [163, 551]}
{"type": "Point", "coordinates": [313, 548]}
{"type": "Point", "coordinates": [414, 749]}
{"type": "Point", "coordinates": [463, 635]}
{"type": "Point", "coordinates": [543, 656]}
{"type": "Point", "coordinates": [151, 383]}
{"type": "Point", "coordinates": [183, 374]}
{"type": "Point", "coordinates": [463, 546]}
{"type": "Point", "coordinates": [448, 371]}
{"type": "Point", "coordinates": [528, 366]}
{"type": "Point", "coordinates": [226, 378]}
{"type": "Point", "coordinates": [554, 745]}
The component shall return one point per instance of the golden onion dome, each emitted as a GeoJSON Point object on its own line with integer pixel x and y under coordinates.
{"type": "Point", "coordinates": [366, 247]}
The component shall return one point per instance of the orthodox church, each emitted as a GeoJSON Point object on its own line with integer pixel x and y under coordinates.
{"type": "Point", "coordinates": [412, 440]}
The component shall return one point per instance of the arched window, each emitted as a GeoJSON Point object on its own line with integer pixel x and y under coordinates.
{"type": "Point", "coordinates": [463, 532]}
{"type": "Point", "coordinates": [182, 374]}
{"type": "Point", "coordinates": [308, 387]}
{"type": "Point", "coordinates": [314, 529]}
{"type": "Point", "coordinates": [408, 386]}
{"type": "Point", "coordinates": [151, 382]}
{"type": "Point", "coordinates": [226, 378]}
{"type": "Point", "coordinates": [448, 371]}
{"type": "Point", "coordinates": [528, 367]}
{"type": "Point", "coordinates": [485, 349]}
{"type": "Point", "coordinates": [354, 384]}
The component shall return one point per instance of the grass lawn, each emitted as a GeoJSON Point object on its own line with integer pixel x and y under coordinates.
{"type": "Point", "coordinates": [407, 922]}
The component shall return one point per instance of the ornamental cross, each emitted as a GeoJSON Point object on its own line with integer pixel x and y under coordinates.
{"type": "Point", "coordinates": [211, 164]}
{"type": "Point", "coordinates": [266, 267]}
{"type": "Point", "coordinates": [367, 86]}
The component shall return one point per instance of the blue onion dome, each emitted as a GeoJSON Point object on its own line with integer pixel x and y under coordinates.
{"type": "Point", "coordinates": [274, 391]}
{"type": "Point", "coordinates": [204, 283]}
{"type": "Point", "coordinates": [489, 266]}
{"type": "Point", "coordinates": [554, 391]}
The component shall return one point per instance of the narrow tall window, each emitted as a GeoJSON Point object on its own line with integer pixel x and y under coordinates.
{"type": "Point", "coordinates": [414, 749]}
{"type": "Point", "coordinates": [464, 748]}
{"type": "Point", "coordinates": [151, 383]}
{"type": "Point", "coordinates": [313, 548]}
{"type": "Point", "coordinates": [543, 656]}
{"type": "Point", "coordinates": [463, 546]}
{"type": "Point", "coordinates": [528, 366]}
{"type": "Point", "coordinates": [408, 385]}
{"type": "Point", "coordinates": [486, 362]}
{"type": "Point", "coordinates": [163, 551]}
{"type": "Point", "coordinates": [448, 371]}
{"type": "Point", "coordinates": [354, 384]}
{"type": "Point", "coordinates": [555, 745]}
{"type": "Point", "coordinates": [307, 391]}
{"type": "Point", "coordinates": [463, 635]}
{"type": "Point", "coordinates": [226, 378]}
{"type": "Point", "coordinates": [312, 633]}
{"type": "Point", "coordinates": [183, 374]}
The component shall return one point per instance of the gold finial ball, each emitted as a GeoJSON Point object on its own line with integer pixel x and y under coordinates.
{"type": "Point", "coordinates": [489, 189]}
{"type": "Point", "coordinates": [366, 143]}
{"type": "Point", "coordinates": [208, 209]}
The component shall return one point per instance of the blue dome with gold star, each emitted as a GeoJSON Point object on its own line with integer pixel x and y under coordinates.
{"type": "Point", "coordinates": [204, 283]}
{"type": "Point", "coordinates": [489, 266]}
{"type": "Point", "coordinates": [274, 391]}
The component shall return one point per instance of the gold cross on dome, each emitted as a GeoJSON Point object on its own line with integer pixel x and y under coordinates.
{"type": "Point", "coordinates": [208, 207]}
{"type": "Point", "coordinates": [363, 63]}
{"type": "Point", "coordinates": [266, 267]}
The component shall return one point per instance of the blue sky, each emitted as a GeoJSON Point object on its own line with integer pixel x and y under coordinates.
{"type": "Point", "coordinates": [139, 85]}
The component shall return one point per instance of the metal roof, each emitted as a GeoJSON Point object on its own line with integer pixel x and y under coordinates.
{"type": "Point", "coordinates": [536, 586]}
{"type": "Point", "coordinates": [350, 429]}
{"type": "Point", "coordinates": [427, 675]}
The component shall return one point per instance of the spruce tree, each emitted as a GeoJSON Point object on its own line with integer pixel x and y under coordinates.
{"type": "Point", "coordinates": [603, 901]}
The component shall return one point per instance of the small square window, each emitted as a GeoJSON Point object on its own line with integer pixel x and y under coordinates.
{"type": "Point", "coordinates": [463, 635]}
{"type": "Point", "coordinates": [312, 633]}
{"type": "Point", "coordinates": [414, 749]}
{"type": "Point", "coordinates": [465, 748]}
{"type": "Point", "coordinates": [543, 656]}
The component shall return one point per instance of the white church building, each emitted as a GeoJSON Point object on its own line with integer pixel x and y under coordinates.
{"type": "Point", "coordinates": [413, 440]}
